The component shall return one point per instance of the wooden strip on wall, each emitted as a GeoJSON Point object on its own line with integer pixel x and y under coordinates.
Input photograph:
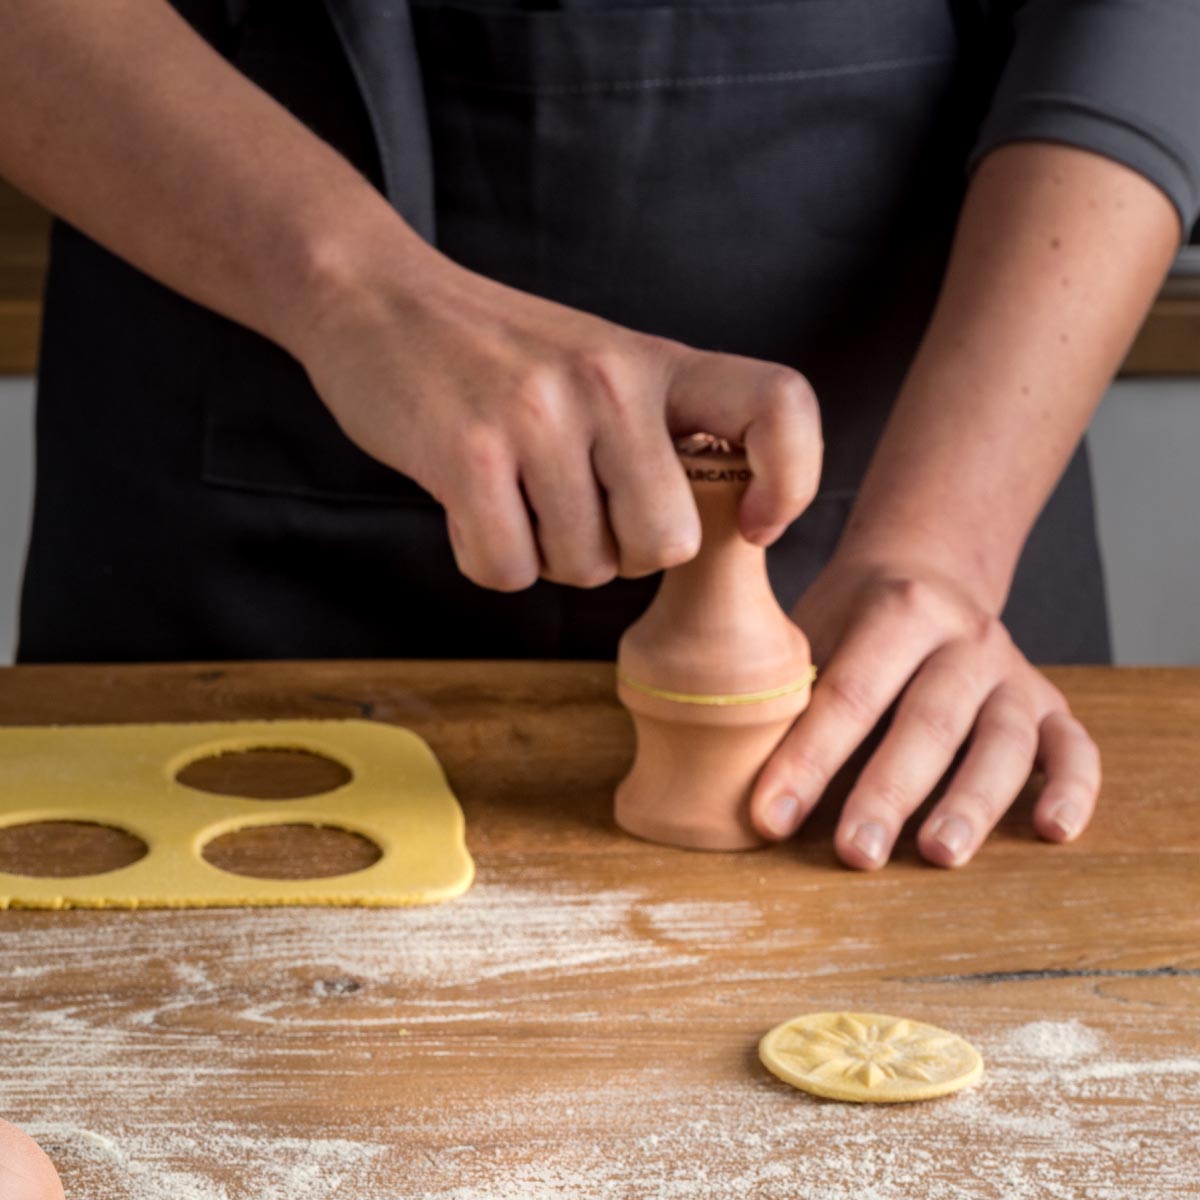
{"type": "Point", "coordinates": [1169, 343]}
{"type": "Point", "coordinates": [23, 246]}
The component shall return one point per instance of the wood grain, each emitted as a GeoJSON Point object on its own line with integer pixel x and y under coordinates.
{"type": "Point", "coordinates": [583, 1022]}
{"type": "Point", "coordinates": [1169, 342]}
{"type": "Point", "coordinates": [24, 230]}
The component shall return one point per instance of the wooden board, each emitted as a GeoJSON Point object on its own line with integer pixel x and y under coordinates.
{"type": "Point", "coordinates": [583, 1022]}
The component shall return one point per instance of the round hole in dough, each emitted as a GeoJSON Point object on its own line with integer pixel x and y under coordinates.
{"type": "Point", "coordinates": [265, 773]}
{"type": "Point", "coordinates": [65, 849]}
{"type": "Point", "coordinates": [291, 851]}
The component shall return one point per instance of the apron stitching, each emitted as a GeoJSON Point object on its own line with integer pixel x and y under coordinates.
{"type": "Point", "coordinates": [694, 81]}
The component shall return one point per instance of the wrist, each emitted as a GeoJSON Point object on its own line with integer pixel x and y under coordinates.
{"type": "Point", "coordinates": [975, 560]}
{"type": "Point", "coordinates": [332, 270]}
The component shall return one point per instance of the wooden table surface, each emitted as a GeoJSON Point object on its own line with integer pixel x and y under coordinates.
{"type": "Point", "coordinates": [583, 1022]}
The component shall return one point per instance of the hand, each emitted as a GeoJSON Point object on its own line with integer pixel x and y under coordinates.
{"type": "Point", "coordinates": [25, 1171]}
{"type": "Point", "coordinates": [885, 630]}
{"type": "Point", "coordinates": [546, 433]}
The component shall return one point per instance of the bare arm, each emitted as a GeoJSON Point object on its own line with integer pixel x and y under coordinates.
{"type": "Point", "coordinates": [545, 432]}
{"type": "Point", "coordinates": [121, 119]}
{"type": "Point", "coordinates": [1058, 256]}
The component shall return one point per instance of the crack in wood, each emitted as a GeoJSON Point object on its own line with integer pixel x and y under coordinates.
{"type": "Point", "coordinates": [366, 708]}
{"type": "Point", "coordinates": [1168, 972]}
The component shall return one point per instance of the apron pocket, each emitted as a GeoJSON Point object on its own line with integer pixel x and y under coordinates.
{"type": "Point", "coordinates": [266, 430]}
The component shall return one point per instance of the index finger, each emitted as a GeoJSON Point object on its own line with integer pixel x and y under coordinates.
{"type": "Point", "coordinates": [869, 670]}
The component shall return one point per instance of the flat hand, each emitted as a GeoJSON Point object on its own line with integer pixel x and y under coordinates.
{"type": "Point", "coordinates": [884, 633]}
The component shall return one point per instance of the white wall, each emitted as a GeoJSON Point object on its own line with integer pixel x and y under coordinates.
{"type": "Point", "coordinates": [1145, 444]}
{"type": "Point", "coordinates": [16, 482]}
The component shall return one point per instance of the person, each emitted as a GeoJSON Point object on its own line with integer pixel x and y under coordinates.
{"type": "Point", "coordinates": [370, 322]}
{"type": "Point", "coordinates": [25, 1171]}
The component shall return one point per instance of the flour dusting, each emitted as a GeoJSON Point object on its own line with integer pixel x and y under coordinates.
{"type": "Point", "coordinates": [1052, 1041]}
{"type": "Point", "coordinates": [207, 1056]}
{"type": "Point", "coordinates": [139, 1165]}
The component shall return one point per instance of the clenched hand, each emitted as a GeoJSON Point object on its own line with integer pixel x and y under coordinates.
{"type": "Point", "coordinates": [546, 433]}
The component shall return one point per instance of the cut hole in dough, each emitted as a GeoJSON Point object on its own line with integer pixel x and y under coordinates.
{"type": "Point", "coordinates": [265, 774]}
{"type": "Point", "coordinates": [293, 851]}
{"type": "Point", "coordinates": [63, 849]}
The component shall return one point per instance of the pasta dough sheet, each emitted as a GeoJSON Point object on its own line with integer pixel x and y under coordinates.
{"type": "Point", "coordinates": [124, 776]}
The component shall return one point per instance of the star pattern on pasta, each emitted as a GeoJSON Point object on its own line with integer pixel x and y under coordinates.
{"type": "Point", "coordinates": [871, 1053]}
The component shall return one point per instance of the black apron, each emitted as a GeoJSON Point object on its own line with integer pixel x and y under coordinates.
{"type": "Point", "coordinates": [772, 179]}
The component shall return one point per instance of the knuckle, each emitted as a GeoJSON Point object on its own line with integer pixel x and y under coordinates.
{"type": "Point", "coordinates": [801, 497]}
{"type": "Point", "coordinates": [955, 676]}
{"type": "Point", "coordinates": [482, 451]}
{"type": "Point", "coordinates": [536, 402]}
{"type": "Point", "coordinates": [599, 367]}
{"type": "Point", "coordinates": [1077, 787]}
{"type": "Point", "coordinates": [1012, 726]}
{"type": "Point", "coordinates": [983, 630]}
{"type": "Point", "coordinates": [1075, 729]}
{"type": "Point", "coordinates": [658, 554]}
{"type": "Point", "coordinates": [978, 806]}
{"type": "Point", "coordinates": [663, 348]}
{"type": "Point", "coordinates": [1089, 748]}
{"type": "Point", "coordinates": [601, 374]}
{"type": "Point", "coordinates": [939, 724]}
{"type": "Point", "coordinates": [786, 388]}
{"type": "Point", "coordinates": [589, 575]}
{"type": "Point", "coordinates": [633, 567]}
{"type": "Point", "coordinates": [887, 796]}
{"type": "Point", "coordinates": [672, 551]}
{"type": "Point", "coordinates": [496, 573]}
{"type": "Point", "coordinates": [503, 576]}
{"type": "Point", "coordinates": [1084, 750]}
{"type": "Point", "coordinates": [987, 636]}
{"type": "Point", "coordinates": [906, 596]}
{"type": "Point", "coordinates": [852, 695]}
{"type": "Point", "coordinates": [805, 770]}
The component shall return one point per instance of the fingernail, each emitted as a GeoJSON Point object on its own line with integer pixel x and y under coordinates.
{"type": "Point", "coordinates": [869, 839]}
{"type": "Point", "coordinates": [1066, 819]}
{"type": "Point", "coordinates": [780, 817]}
{"type": "Point", "coordinates": [954, 836]}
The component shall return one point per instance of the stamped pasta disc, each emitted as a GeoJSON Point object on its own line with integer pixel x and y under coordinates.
{"type": "Point", "coordinates": [868, 1058]}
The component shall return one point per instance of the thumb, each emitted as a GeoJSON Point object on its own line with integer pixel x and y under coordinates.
{"type": "Point", "coordinates": [772, 411]}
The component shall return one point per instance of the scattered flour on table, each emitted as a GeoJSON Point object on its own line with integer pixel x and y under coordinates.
{"type": "Point", "coordinates": [1004, 1140]}
{"type": "Point", "coordinates": [1059, 1114]}
{"type": "Point", "coordinates": [138, 1165]}
{"type": "Point", "coordinates": [697, 923]}
{"type": "Point", "coordinates": [1052, 1041]}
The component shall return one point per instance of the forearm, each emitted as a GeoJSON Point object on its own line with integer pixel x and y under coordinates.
{"type": "Point", "coordinates": [134, 130]}
{"type": "Point", "coordinates": [1058, 256]}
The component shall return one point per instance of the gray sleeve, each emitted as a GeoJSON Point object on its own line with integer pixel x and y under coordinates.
{"type": "Point", "coordinates": [1118, 77]}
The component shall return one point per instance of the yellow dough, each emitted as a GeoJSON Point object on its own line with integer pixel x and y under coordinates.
{"type": "Point", "coordinates": [869, 1058]}
{"type": "Point", "coordinates": [124, 776]}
